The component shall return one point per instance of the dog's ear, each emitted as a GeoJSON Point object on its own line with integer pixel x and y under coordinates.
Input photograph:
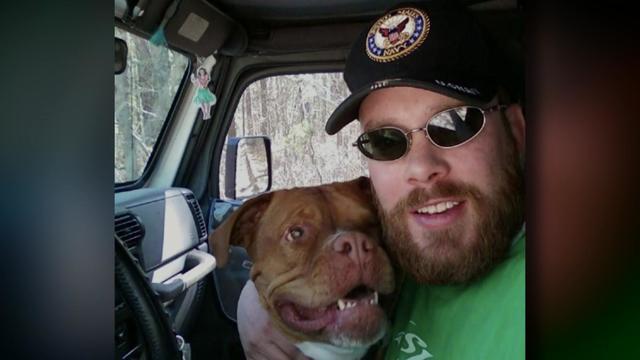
{"type": "Point", "coordinates": [363, 184]}
{"type": "Point", "coordinates": [239, 228]}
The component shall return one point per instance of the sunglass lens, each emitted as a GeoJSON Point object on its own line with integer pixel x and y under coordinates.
{"type": "Point", "coordinates": [455, 126]}
{"type": "Point", "coordinates": [383, 144]}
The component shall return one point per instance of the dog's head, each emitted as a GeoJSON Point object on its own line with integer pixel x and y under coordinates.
{"type": "Point", "coordinates": [318, 264]}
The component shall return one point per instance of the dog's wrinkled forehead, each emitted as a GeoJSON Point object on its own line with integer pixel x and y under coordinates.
{"type": "Point", "coordinates": [295, 205]}
{"type": "Point", "coordinates": [325, 206]}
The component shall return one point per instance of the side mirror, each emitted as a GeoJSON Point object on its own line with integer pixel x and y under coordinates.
{"type": "Point", "coordinates": [121, 51]}
{"type": "Point", "coordinates": [248, 166]}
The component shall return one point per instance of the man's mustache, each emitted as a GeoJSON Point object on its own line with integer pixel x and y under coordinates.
{"type": "Point", "coordinates": [447, 188]}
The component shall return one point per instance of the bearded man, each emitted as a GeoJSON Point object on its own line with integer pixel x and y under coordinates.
{"type": "Point", "coordinates": [444, 145]}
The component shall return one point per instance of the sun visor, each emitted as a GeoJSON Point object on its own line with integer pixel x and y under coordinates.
{"type": "Point", "coordinates": [198, 27]}
{"type": "Point", "coordinates": [195, 26]}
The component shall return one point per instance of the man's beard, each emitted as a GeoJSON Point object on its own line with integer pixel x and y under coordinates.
{"type": "Point", "coordinates": [444, 256]}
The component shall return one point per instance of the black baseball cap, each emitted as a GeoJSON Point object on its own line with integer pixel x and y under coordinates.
{"type": "Point", "coordinates": [438, 47]}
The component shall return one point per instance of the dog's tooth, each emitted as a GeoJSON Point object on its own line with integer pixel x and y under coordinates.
{"type": "Point", "coordinates": [375, 297]}
{"type": "Point", "coordinates": [341, 304]}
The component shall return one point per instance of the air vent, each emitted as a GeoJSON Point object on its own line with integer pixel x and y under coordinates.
{"type": "Point", "coordinates": [129, 230]}
{"type": "Point", "coordinates": [197, 214]}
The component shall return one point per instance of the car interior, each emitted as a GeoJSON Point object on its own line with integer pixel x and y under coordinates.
{"type": "Point", "coordinates": [171, 299]}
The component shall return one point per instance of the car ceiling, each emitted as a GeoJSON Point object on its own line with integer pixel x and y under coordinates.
{"type": "Point", "coordinates": [284, 25]}
{"type": "Point", "coordinates": [247, 27]}
{"type": "Point", "coordinates": [296, 25]}
{"type": "Point", "coordinates": [297, 12]}
{"type": "Point", "coordinates": [287, 24]}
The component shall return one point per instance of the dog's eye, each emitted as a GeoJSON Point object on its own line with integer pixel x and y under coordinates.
{"type": "Point", "coordinates": [294, 232]}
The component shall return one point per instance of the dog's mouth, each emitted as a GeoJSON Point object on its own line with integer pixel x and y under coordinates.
{"type": "Point", "coordinates": [359, 296]}
{"type": "Point", "coordinates": [358, 306]}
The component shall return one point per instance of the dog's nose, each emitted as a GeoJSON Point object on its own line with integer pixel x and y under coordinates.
{"type": "Point", "coordinates": [358, 247]}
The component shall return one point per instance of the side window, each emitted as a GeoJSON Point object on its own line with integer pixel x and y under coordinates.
{"type": "Point", "coordinates": [144, 93]}
{"type": "Point", "coordinates": [292, 111]}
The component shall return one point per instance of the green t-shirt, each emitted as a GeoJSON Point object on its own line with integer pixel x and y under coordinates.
{"type": "Point", "coordinates": [481, 320]}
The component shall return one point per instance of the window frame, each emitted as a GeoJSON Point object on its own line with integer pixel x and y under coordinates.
{"type": "Point", "coordinates": [242, 82]}
{"type": "Point", "coordinates": [162, 135]}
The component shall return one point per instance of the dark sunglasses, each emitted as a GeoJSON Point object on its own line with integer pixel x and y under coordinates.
{"type": "Point", "coordinates": [447, 129]}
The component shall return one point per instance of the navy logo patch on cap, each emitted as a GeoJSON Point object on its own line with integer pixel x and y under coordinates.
{"type": "Point", "coordinates": [397, 34]}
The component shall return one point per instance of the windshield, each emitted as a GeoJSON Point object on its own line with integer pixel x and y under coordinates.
{"type": "Point", "coordinates": [144, 93]}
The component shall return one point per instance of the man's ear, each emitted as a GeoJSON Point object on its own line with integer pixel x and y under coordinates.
{"type": "Point", "coordinates": [515, 117]}
{"type": "Point", "coordinates": [239, 228]}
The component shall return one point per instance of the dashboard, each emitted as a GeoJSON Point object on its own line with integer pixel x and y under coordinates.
{"type": "Point", "coordinates": [166, 233]}
{"type": "Point", "coordinates": [159, 226]}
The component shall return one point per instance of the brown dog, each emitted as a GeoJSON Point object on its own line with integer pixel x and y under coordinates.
{"type": "Point", "coordinates": [317, 264]}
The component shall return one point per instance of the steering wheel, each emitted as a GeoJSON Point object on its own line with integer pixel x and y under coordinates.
{"type": "Point", "coordinates": [157, 337]}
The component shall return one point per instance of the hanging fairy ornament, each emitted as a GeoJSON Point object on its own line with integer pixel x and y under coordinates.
{"type": "Point", "coordinates": [204, 97]}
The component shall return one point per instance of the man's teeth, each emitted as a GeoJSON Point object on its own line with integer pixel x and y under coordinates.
{"type": "Point", "coordinates": [348, 304]}
{"type": "Point", "coordinates": [438, 208]}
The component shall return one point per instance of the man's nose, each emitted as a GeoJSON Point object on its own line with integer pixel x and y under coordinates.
{"type": "Point", "coordinates": [358, 247]}
{"type": "Point", "coordinates": [425, 161]}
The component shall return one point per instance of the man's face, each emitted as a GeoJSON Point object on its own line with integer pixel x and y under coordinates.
{"type": "Point", "coordinates": [448, 214]}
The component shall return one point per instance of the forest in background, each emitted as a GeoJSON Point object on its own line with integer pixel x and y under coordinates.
{"type": "Point", "coordinates": [292, 111]}
{"type": "Point", "coordinates": [143, 96]}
